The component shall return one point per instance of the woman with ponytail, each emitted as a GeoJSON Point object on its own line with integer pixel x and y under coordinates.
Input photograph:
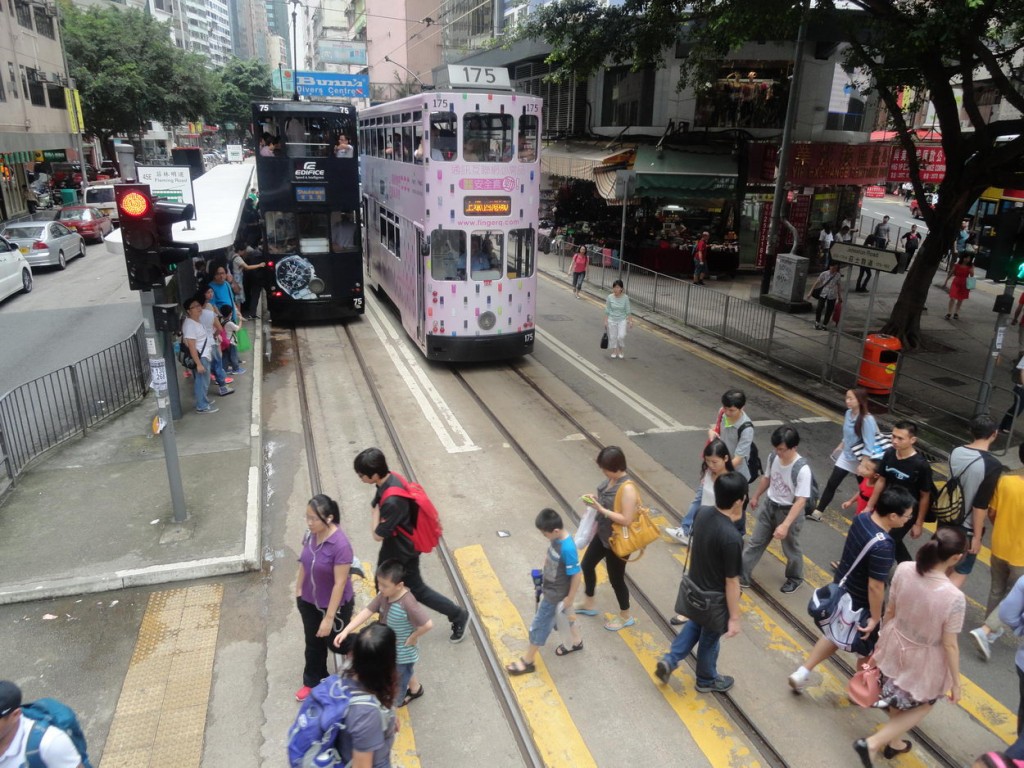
{"type": "Point", "coordinates": [859, 426]}
{"type": "Point", "coordinates": [917, 650]}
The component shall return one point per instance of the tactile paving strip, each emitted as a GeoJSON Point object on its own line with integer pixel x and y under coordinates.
{"type": "Point", "coordinates": [161, 714]}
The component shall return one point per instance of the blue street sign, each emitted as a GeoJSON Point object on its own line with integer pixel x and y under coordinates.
{"type": "Point", "coordinates": [328, 84]}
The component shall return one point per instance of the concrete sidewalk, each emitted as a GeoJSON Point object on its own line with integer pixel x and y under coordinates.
{"type": "Point", "coordinates": [96, 513]}
{"type": "Point", "coordinates": [938, 384]}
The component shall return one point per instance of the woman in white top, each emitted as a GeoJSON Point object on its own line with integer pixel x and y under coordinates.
{"type": "Point", "coordinates": [859, 428]}
{"type": "Point", "coordinates": [829, 285]}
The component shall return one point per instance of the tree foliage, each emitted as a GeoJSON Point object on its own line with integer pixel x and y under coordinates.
{"type": "Point", "coordinates": [241, 81]}
{"type": "Point", "coordinates": [942, 48]}
{"type": "Point", "coordinates": [129, 72]}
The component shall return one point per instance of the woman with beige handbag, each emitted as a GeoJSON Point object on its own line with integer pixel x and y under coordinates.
{"type": "Point", "coordinates": [616, 502]}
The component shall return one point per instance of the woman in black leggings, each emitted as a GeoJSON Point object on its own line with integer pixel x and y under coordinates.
{"type": "Point", "coordinates": [616, 502]}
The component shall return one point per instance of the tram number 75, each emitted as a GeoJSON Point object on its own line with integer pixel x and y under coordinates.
{"type": "Point", "coordinates": [357, 303]}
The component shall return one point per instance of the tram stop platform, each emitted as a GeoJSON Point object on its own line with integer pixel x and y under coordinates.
{"type": "Point", "coordinates": [95, 514]}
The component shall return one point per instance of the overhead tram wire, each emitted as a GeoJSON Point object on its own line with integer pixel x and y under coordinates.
{"type": "Point", "coordinates": [436, 23]}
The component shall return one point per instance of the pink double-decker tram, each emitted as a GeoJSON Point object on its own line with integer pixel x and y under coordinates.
{"type": "Point", "coordinates": [451, 194]}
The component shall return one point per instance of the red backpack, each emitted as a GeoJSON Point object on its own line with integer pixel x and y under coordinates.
{"type": "Point", "coordinates": [427, 530]}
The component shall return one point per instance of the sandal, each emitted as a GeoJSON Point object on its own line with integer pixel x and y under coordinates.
{"type": "Point", "coordinates": [586, 611]}
{"type": "Point", "coordinates": [561, 650]}
{"type": "Point", "coordinates": [520, 667]}
{"type": "Point", "coordinates": [410, 696]}
{"type": "Point", "coordinates": [619, 623]}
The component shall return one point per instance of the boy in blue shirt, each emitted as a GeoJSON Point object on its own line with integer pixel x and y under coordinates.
{"type": "Point", "coordinates": [562, 578]}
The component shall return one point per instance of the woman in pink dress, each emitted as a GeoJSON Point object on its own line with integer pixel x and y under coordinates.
{"type": "Point", "coordinates": [917, 649]}
{"type": "Point", "coordinates": [958, 290]}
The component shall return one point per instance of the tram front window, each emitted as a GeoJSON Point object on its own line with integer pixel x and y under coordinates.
{"type": "Point", "coordinates": [343, 231]}
{"type": "Point", "coordinates": [487, 254]}
{"type": "Point", "coordinates": [282, 234]}
{"type": "Point", "coordinates": [289, 232]}
{"type": "Point", "coordinates": [486, 137]}
{"type": "Point", "coordinates": [448, 254]}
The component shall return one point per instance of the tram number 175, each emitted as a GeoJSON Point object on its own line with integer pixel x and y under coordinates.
{"type": "Point", "coordinates": [528, 337]}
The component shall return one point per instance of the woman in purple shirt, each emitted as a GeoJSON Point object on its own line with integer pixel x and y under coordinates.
{"type": "Point", "coordinates": [323, 588]}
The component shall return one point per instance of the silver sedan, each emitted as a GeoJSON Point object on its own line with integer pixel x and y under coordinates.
{"type": "Point", "coordinates": [45, 243]}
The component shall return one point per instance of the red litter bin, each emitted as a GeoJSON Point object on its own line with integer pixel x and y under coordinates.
{"type": "Point", "coordinates": [878, 363]}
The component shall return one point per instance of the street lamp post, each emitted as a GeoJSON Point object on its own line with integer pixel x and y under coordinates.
{"type": "Point", "coordinates": [295, 48]}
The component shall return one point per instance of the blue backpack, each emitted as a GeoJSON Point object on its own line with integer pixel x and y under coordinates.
{"type": "Point", "coordinates": [51, 713]}
{"type": "Point", "coordinates": [313, 736]}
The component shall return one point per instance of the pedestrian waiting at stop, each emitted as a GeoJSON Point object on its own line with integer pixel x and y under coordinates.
{"type": "Point", "coordinates": [860, 431]}
{"type": "Point", "coordinates": [787, 487]}
{"type": "Point", "coordinates": [323, 587]}
{"type": "Point", "coordinates": [200, 348]}
{"type": "Point", "coordinates": [917, 651]}
{"type": "Point", "coordinates": [616, 502]}
{"type": "Point", "coordinates": [868, 555]}
{"type": "Point", "coordinates": [211, 323]}
{"type": "Point", "coordinates": [229, 342]}
{"type": "Point", "coordinates": [397, 608]}
{"type": "Point", "coordinates": [561, 580]}
{"type": "Point", "coordinates": [960, 289]}
{"type": "Point", "coordinates": [716, 551]}
{"type": "Point", "coordinates": [827, 289]}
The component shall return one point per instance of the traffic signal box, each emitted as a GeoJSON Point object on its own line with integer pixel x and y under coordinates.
{"type": "Point", "coordinates": [150, 252]}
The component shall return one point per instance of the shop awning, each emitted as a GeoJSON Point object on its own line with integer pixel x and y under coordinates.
{"type": "Point", "coordinates": [684, 174]}
{"type": "Point", "coordinates": [577, 160]}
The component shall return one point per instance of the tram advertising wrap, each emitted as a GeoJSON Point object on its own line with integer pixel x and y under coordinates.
{"type": "Point", "coordinates": [308, 172]}
{"type": "Point", "coordinates": [451, 198]}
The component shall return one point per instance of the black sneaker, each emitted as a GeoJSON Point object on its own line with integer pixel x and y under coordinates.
{"type": "Point", "coordinates": [459, 627]}
{"type": "Point", "coordinates": [662, 672]}
{"type": "Point", "coordinates": [720, 684]}
{"type": "Point", "coordinates": [791, 585]}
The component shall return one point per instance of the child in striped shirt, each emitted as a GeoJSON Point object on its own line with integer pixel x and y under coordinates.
{"type": "Point", "coordinates": [400, 611]}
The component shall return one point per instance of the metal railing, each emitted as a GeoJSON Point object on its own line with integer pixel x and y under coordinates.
{"type": "Point", "coordinates": [52, 409]}
{"type": "Point", "coordinates": [942, 400]}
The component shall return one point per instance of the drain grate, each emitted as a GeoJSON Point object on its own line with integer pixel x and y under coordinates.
{"type": "Point", "coordinates": [948, 381]}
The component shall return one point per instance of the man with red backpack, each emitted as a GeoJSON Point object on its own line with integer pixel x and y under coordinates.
{"type": "Point", "coordinates": [405, 529]}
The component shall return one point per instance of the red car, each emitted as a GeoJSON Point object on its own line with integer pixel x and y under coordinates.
{"type": "Point", "coordinates": [90, 223]}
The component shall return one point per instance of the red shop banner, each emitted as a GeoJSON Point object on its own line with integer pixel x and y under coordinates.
{"type": "Point", "coordinates": [822, 164]}
{"type": "Point", "coordinates": [930, 157]}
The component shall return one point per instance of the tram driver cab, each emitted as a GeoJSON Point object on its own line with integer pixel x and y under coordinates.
{"type": "Point", "coordinates": [485, 256]}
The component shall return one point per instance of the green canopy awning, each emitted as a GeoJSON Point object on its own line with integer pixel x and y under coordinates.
{"type": "Point", "coordinates": [684, 174]}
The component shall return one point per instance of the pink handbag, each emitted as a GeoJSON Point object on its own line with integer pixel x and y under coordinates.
{"type": "Point", "coordinates": [865, 687]}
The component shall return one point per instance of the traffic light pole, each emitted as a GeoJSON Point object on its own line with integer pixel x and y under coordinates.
{"type": "Point", "coordinates": [160, 373]}
{"type": "Point", "coordinates": [1002, 308]}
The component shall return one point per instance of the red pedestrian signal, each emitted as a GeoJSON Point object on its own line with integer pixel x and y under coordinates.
{"type": "Point", "coordinates": [150, 252]}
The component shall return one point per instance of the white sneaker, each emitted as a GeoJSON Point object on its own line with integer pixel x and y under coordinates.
{"type": "Point", "coordinates": [679, 535]}
{"type": "Point", "coordinates": [981, 642]}
{"type": "Point", "coordinates": [798, 683]}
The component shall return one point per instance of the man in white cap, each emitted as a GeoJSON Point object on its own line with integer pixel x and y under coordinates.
{"type": "Point", "coordinates": [23, 741]}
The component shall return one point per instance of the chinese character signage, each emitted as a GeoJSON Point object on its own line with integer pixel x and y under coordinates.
{"type": "Point", "coordinates": [818, 164]}
{"type": "Point", "coordinates": [930, 157]}
{"type": "Point", "coordinates": [168, 182]}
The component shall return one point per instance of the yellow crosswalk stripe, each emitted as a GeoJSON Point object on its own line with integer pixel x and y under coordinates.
{"type": "Point", "coordinates": [554, 732]}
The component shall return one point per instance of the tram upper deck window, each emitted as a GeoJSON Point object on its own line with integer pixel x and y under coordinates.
{"type": "Point", "coordinates": [314, 136]}
{"type": "Point", "coordinates": [487, 254]}
{"type": "Point", "coordinates": [443, 141]}
{"type": "Point", "coordinates": [520, 253]}
{"type": "Point", "coordinates": [486, 137]}
{"type": "Point", "coordinates": [448, 254]}
{"type": "Point", "coordinates": [528, 134]}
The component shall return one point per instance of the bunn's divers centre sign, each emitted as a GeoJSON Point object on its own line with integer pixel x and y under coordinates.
{"type": "Point", "coordinates": [322, 85]}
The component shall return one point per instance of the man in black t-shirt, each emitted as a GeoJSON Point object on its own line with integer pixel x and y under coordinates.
{"type": "Point", "coordinates": [716, 550]}
{"type": "Point", "coordinates": [389, 517]}
{"type": "Point", "coordinates": [902, 465]}
{"type": "Point", "coordinates": [865, 583]}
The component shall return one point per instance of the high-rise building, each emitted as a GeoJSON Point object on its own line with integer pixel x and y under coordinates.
{"type": "Point", "coordinates": [469, 26]}
{"type": "Point", "coordinates": [277, 25]}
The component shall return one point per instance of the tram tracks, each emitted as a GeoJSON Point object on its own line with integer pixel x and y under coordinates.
{"type": "Point", "coordinates": [663, 505]}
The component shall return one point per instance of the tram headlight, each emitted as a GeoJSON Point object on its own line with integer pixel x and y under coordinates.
{"type": "Point", "coordinates": [486, 321]}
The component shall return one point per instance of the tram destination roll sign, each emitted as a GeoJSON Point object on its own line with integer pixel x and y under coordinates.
{"type": "Point", "coordinates": [871, 258]}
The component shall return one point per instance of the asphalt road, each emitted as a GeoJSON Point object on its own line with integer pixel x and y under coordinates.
{"type": "Point", "coordinates": [69, 315]}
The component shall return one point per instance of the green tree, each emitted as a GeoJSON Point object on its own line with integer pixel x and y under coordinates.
{"type": "Point", "coordinates": [129, 72]}
{"type": "Point", "coordinates": [941, 49]}
{"type": "Point", "coordinates": [241, 81]}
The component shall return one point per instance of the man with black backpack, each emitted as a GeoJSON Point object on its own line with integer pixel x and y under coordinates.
{"type": "Point", "coordinates": [45, 734]}
{"type": "Point", "coordinates": [973, 473]}
{"type": "Point", "coordinates": [394, 523]}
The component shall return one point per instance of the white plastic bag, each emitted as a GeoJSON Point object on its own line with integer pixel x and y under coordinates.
{"type": "Point", "coordinates": [587, 528]}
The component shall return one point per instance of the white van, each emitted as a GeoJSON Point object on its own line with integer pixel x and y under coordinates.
{"type": "Point", "coordinates": [101, 196]}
